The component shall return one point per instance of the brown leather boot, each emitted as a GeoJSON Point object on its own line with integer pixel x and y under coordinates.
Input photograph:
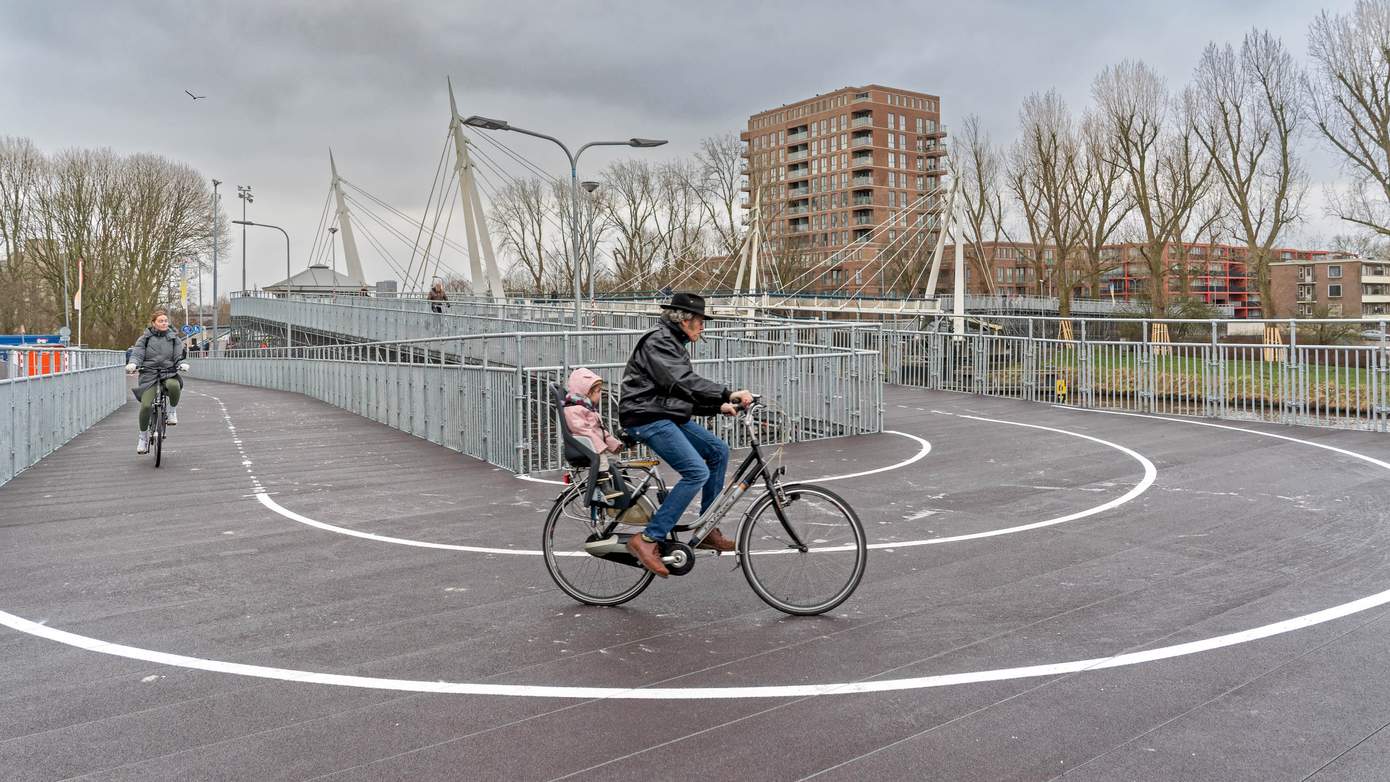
{"type": "Point", "coordinates": [648, 554]}
{"type": "Point", "coordinates": [716, 540]}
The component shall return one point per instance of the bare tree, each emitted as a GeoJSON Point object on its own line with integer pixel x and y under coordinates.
{"type": "Point", "coordinates": [680, 223]}
{"type": "Point", "coordinates": [24, 301]}
{"type": "Point", "coordinates": [980, 166]}
{"type": "Point", "coordinates": [719, 166]}
{"type": "Point", "coordinates": [1350, 105]}
{"type": "Point", "coordinates": [632, 207]}
{"type": "Point", "coordinates": [1162, 162]}
{"type": "Point", "coordinates": [1050, 156]}
{"type": "Point", "coordinates": [1022, 183]}
{"type": "Point", "coordinates": [1103, 201]}
{"type": "Point", "coordinates": [1245, 111]}
{"type": "Point", "coordinates": [520, 215]}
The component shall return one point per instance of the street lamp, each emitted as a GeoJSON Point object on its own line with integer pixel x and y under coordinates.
{"type": "Point", "coordinates": [216, 213]}
{"type": "Point", "coordinates": [244, 193]}
{"type": "Point", "coordinates": [333, 253]}
{"type": "Point", "coordinates": [489, 123]}
{"type": "Point", "coordinates": [289, 328]}
{"type": "Point", "coordinates": [590, 250]}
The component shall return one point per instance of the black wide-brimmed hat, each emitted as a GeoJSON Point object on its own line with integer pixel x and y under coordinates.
{"type": "Point", "coordinates": [687, 302]}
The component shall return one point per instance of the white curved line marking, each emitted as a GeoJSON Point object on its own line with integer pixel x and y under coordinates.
{"type": "Point", "coordinates": [691, 693]}
{"type": "Point", "coordinates": [292, 516]}
{"type": "Point", "coordinates": [1150, 474]}
{"type": "Point", "coordinates": [921, 454]}
{"type": "Point", "coordinates": [694, 693]}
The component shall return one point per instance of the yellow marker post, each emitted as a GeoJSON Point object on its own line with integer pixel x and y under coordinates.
{"type": "Point", "coordinates": [1061, 389]}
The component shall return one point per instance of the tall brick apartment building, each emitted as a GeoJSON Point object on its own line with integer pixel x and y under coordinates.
{"type": "Point", "coordinates": [845, 176]}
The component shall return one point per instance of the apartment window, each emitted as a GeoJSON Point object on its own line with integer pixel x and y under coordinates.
{"type": "Point", "coordinates": [1334, 272]}
{"type": "Point", "coordinates": [920, 126]}
{"type": "Point", "coordinates": [892, 199]}
{"type": "Point", "coordinates": [892, 179]}
{"type": "Point", "coordinates": [892, 120]}
{"type": "Point", "coordinates": [1334, 310]}
{"type": "Point", "coordinates": [1334, 291]}
{"type": "Point", "coordinates": [844, 140]}
{"type": "Point", "coordinates": [891, 143]}
{"type": "Point", "coordinates": [781, 137]}
{"type": "Point", "coordinates": [892, 158]}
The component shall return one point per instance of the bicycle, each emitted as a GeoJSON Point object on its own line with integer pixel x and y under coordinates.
{"type": "Point", "coordinates": [158, 416]}
{"type": "Point", "coordinates": [801, 547]}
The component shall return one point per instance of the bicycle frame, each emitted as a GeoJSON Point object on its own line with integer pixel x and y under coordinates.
{"type": "Point", "coordinates": [748, 473]}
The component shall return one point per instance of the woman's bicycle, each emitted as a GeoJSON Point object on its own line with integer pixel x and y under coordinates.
{"type": "Point", "coordinates": [159, 414]}
{"type": "Point", "coordinates": [801, 546]}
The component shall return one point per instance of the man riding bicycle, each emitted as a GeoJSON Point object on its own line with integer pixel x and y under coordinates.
{"type": "Point", "coordinates": [660, 394]}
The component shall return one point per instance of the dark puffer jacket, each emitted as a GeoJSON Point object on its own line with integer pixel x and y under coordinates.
{"type": "Point", "coordinates": [659, 383]}
{"type": "Point", "coordinates": [155, 352]}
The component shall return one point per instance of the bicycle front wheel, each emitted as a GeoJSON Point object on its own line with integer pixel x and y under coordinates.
{"type": "Point", "coordinates": [584, 577]}
{"type": "Point", "coordinates": [157, 432]}
{"type": "Point", "coordinates": [789, 579]}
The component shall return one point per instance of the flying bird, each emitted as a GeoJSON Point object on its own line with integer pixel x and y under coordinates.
{"type": "Point", "coordinates": [194, 97]}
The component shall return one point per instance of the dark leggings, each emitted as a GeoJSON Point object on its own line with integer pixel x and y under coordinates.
{"type": "Point", "coordinates": [172, 387]}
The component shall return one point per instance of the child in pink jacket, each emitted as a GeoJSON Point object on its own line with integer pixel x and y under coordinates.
{"type": "Point", "coordinates": [581, 414]}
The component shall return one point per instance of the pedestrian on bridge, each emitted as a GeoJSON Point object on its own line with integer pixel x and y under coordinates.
{"type": "Point", "coordinates": [437, 297]}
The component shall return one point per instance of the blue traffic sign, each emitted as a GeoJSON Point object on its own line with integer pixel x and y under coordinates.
{"type": "Point", "coordinates": [187, 329]}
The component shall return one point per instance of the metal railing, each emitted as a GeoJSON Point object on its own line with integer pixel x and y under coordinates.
{"type": "Point", "coordinates": [50, 396]}
{"type": "Point", "coordinates": [486, 395]}
{"type": "Point", "coordinates": [1214, 368]}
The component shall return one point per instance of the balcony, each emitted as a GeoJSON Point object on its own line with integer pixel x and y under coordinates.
{"type": "Point", "coordinates": [796, 136]}
{"type": "Point", "coordinates": [799, 155]}
{"type": "Point", "coordinates": [863, 200]}
{"type": "Point", "coordinates": [938, 132]}
{"type": "Point", "coordinates": [1383, 279]}
{"type": "Point", "coordinates": [862, 161]}
{"type": "Point", "coordinates": [862, 122]}
{"type": "Point", "coordinates": [797, 210]}
{"type": "Point", "coordinates": [863, 181]}
{"type": "Point", "coordinates": [798, 172]}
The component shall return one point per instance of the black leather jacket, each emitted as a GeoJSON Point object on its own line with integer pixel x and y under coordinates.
{"type": "Point", "coordinates": [659, 383]}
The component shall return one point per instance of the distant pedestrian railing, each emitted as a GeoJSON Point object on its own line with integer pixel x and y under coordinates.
{"type": "Point", "coordinates": [487, 395]}
{"type": "Point", "coordinates": [49, 396]}
{"type": "Point", "coordinates": [1309, 372]}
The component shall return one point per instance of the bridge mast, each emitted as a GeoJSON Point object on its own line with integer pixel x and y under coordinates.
{"type": "Point", "coordinates": [354, 261]}
{"type": "Point", "coordinates": [474, 218]}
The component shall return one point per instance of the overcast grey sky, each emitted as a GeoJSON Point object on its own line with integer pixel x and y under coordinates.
{"type": "Point", "coordinates": [286, 80]}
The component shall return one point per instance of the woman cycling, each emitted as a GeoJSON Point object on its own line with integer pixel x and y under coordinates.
{"type": "Point", "coordinates": [158, 352]}
{"type": "Point", "coordinates": [660, 394]}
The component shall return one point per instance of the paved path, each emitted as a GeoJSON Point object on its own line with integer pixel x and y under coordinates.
{"type": "Point", "coordinates": [1175, 594]}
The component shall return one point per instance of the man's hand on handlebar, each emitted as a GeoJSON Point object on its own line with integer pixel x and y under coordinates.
{"type": "Point", "coordinates": [742, 398]}
{"type": "Point", "coordinates": [728, 408]}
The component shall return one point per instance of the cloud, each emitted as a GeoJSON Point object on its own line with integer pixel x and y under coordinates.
{"type": "Point", "coordinates": [285, 80]}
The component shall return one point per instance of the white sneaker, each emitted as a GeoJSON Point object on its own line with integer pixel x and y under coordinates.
{"type": "Point", "coordinates": [144, 446]}
{"type": "Point", "coordinates": [172, 418]}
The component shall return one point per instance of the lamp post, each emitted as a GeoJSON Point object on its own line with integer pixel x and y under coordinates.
{"type": "Point", "coordinates": [333, 253]}
{"type": "Point", "coordinates": [215, 213]}
{"type": "Point", "coordinates": [486, 123]}
{"type": "Point", "coordinates": [590, 186]}
{"type": "Point", "coordinates": [244, 193]}
{"type": "Point", "coordinates": [289, 329]}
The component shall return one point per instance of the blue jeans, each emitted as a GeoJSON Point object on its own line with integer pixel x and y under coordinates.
{"type": "Point", "coordinates": [695, 453]}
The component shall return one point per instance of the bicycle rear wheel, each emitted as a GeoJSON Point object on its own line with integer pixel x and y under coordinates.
{"type": "Point", "coordinates": [157, 432]}
{"type": "Point", "coordinates": [803, 582]}
{"type": "Point", "coordinates": [590, 580]}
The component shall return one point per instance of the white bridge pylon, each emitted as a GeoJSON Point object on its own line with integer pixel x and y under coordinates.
{"type": "Point", "coordinates": [354, 261]}
{"type": "Point", "coordinates": [474, 218]}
